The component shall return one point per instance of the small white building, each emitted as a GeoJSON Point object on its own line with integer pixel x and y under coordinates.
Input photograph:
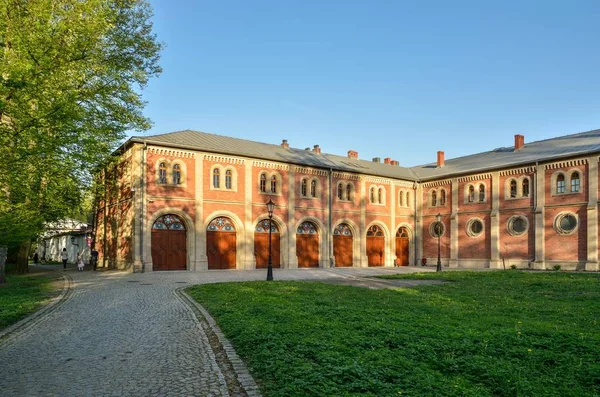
{"type": "Point", "coordinates": [71, 234]}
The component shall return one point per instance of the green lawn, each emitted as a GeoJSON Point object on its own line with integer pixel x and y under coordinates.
{"type": "Point", "coordinates": [507, 333]}
{"type": "Point", "coordinates": [24, 294]}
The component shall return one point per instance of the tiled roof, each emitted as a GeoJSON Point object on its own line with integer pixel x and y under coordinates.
{"type": "Point", "coordinates": [241, 147]}
{"type": "Point", "coordinates": [504, 157]}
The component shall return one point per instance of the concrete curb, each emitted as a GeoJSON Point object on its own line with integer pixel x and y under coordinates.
{"type": "Point", "coordinates": [21, 326]}
{"type": "Point", "coordinates": [235, 363]}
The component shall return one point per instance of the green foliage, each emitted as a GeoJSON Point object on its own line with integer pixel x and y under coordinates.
{"type": "Point", "coordinates": [513, 266]}
{"type": "Point", "coordinates": [478, 334]}
{"type": "Point", "coordinates": [70, 80]}
{"type": "Point", "coordinates": [22, 295]}
{"type": "Point", "coordinates": [556, 267]}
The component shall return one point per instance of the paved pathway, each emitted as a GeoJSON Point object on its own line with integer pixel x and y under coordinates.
{"type": "Point", "coordinates": [124, 334]}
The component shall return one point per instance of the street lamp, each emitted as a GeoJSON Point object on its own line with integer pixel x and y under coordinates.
{"type": "Point", "coordinates": [270, 206]}
{"type": "Point", "coordinates": [438, 227]}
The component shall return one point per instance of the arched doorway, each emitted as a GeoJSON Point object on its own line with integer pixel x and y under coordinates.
{"type": "Point", "coordinates": [402, 244]}
{"type": "Point", "coordinates": [220, 244]}
{"type": "Point", "coordinates": [307, 245]}
{"type": "Point", "coordinates": [375, 246]}
{"type": "Point", "coordinates": [168, 243]}
{"type": "Point", "coordinates": [261, 244]}
{"type": "Point", "coordinates": [343, 245]}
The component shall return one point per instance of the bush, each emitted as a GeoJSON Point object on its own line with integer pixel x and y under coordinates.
{"type": "Point", "coordinates": [513, 266]}
{"type": "Point", "coordinates": [556, 267]}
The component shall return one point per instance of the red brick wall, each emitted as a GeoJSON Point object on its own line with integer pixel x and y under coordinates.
{"type": "Point", "coordinates": [430, 243]}
{"type": "Point", "coordinates": [571, 247]}
{"type": "Point", "coordinates": [474, 247]}
{"type": "Point", "coordinates": [517, 247]}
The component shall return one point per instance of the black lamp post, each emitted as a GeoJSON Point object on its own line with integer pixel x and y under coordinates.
{"type": "Point", "coordinates": [438, 227]}
{"type": "Point", "coordinates": [270, 206]}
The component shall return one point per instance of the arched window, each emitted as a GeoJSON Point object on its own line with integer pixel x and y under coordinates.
{"type": "Point", "coordinates": [303, 188]}
{"type": "Point", "coordinates": [274, 184]}
{"type": "Point", "coordinates": [513, 188]}
{"type": "Point", "coordinates": [176, 174]}
{"type": "Point", "coordinates": [525, 187]}
{"type": "Point", "coordinates": [482, 192]}
{"type": "Point", "coordinates": [471, 196]}
{"type": "Point", "coordinates": [216, 178]}
{"type": "Point", "coordinates": [263, 183]}
{"type": "Point", "coordinates": [162, 173]}
{"type": "Point", "coordinates": [433, 198]}
{"type": "Point", "coordinates": [401, 199]}
{"type": "Point", "coordinates": [349, 192]}
{"type": "Point", "coordinates": [380, 196]}
{"type": "Point", "coordinates": [560, 184]}
{"type": "Point", "coordinates": [408, 199]}
{"type": "Point", "coordinates": [340, 191]}
{"type": "Point", "coordinates": [313, 188]}
{"type": "Point", "coordinates": [575, 183]}
{"type": "Point", "coordinates": [373, 195]}
{"type": "Point", "coordinates": [443, 197]}
{"type": "Point", "coordinates": [228, 176]}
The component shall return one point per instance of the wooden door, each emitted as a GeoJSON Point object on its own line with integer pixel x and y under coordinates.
{"type": "Point", "coordinates": [343, 251]}
{"type": "Point", "coordinates": [402, 251]}
{"type": "Point", "coordinates": [307, 250]}
{"type": "Point", "coordinates": [221, 244]}
{"type": "Point", "coordinates": [307, 245]}
{"type": "Point", "coordinates": [375, 246]}
{"type": "Point", "coordinates": [402, 247]}
{"type": "Point", "coordinates": [261, 245]}
{"type": "Point", "coordinates": [169, 244]}
{"type": "Point", "coordinates": [343, 246]}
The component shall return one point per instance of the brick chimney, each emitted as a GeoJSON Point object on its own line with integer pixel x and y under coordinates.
{"type": "Point", "coordinates": [519, 141]}
{"type": "Point", "coordinates": [285, 144]}
{"type": "Point", "coordinates": [440, 158]}
{"type": "Point", "coordinates": [352, 154]}
{"type": "Point", "coordinates": [317, 149]}
{"type": "Point", "coordinates": [395, 162]}
{"type": "Point", "coordinates": [387, 160]}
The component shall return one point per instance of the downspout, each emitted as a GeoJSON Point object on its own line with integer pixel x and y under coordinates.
{"type": "Point", "coordinates": [104, 264]}
{"type": "Point", "coordinates": [533, 188]}
{"type": "Point", "coordinates": [415, 223]}
{"type": "Point", "coordinates": [330, 204]}
{"type": "Point", "coordinates": [142, 203]}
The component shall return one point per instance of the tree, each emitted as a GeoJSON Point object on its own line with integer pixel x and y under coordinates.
{"type": "Point", "coordinates": [71, 73]}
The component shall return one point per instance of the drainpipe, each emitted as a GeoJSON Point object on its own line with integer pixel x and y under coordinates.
{"type": "Point", "coordinates": [330, 204]}
{"type": "Point", "coordinates": [415, 223]}
{"type": "Point", "coordinates": [142, 203]}
{"type": "Point", "coordinates": [533, 188]}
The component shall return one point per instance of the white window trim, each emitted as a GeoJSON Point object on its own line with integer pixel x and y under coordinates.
{"type": "Point", "coordinates": [513, 232]}
{"type": "Point", "coordinates": [468, 227]}
{"type": "Point", "coordinates": [556, 223]}
{"type": "Point", "coordinates": [269, 176]}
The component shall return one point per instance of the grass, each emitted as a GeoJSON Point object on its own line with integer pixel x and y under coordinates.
{"type": "Point", "coordinates": [480, 334]}
{"type": "Point", "coordinates": [24, 294]}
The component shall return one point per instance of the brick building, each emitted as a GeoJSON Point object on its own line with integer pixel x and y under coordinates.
{"type": "Point", "coordinates": [195, 201]}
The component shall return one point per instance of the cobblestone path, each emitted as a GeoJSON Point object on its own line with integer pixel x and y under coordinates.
{"type": "Point", "coordinates": [123, 334]}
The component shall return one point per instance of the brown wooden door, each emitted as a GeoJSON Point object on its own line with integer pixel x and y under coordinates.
{"type": "Point", "coordinates": [169, 250]}
{"type": "Point", "coordinates": [375, 250]}
{"type": "Point", "coordinates": [307, 250]}
{"type": "Point", "coordinates": [342, 250]}
{"type": "Point", "coordinates": [402, 251]}
{"type": "Point", "coordinates": [261, 250]}
{"type": "Point", "coordinates": [221, 250]}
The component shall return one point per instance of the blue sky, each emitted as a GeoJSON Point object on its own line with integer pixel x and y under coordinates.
{"type": "Point", "coordinates": [399, 79]}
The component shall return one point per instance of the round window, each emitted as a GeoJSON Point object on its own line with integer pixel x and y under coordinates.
{"type": "Point", "coordinates": [436, 229]}
{"type": "Point", "coordinates": [517, 225]}
{"type": "Point", "coordinates": [565, 223]}
{"type": "Point", "coordinates": [474, 227]}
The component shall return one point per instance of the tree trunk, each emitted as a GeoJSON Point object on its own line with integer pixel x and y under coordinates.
{"type": "Point", "coordinates": [3, 251]}
{"type": "Point", "coordinates": [22, 261]}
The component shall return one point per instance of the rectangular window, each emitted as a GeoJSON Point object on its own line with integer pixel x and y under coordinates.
{"type": "Point", "coordinates": [560, 186]}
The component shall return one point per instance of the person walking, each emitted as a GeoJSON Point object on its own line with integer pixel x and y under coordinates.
{"type": "Point", "coordinates": [65, 257]}
{"type": "Point", "coordinates": [80, 263]}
